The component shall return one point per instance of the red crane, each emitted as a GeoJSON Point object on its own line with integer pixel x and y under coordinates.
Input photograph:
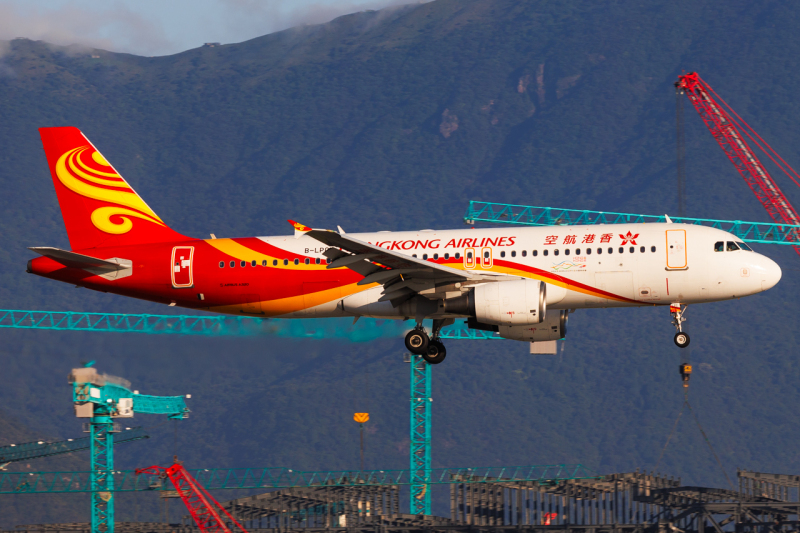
{"type": "Point", "coordinates": [207, 513]}
{"type": "Point", "coordinates": [732, 132]}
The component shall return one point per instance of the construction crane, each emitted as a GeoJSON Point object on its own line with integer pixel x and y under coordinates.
{"type": "Point", "coordinates": [732, 133]}
{"type": "Point", "coordinates": [38, 449]}
{"type": "Point", "coordinates": [206, 512]}
{"type": "Point", "coordinates": [102, 398]}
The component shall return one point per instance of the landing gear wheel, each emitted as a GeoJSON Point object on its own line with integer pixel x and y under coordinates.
{"type": "Point", "coordinates": [417, 342]}
{"type": "Point", "coordinates": [681, 339]}
{"type": "Point", "coordinates": [436, 353]}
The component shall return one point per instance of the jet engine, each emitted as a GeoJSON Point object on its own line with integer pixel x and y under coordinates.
{"type": "Point", "coordinates": [502, 303]}
{"type": "Point", "coordinates": [554, 327]}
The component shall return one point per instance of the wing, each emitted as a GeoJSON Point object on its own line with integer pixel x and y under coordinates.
{"type": "Point", "coordinates": [402, 277]}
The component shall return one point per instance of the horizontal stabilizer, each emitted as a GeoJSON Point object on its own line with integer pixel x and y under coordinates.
{"type": "Point", "coordinates": [73, 260]}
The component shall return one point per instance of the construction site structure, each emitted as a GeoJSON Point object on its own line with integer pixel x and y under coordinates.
{"type": "Point", "coordinates": [102, 398]}
{"type": "Point", "coordinates": [631, 502]}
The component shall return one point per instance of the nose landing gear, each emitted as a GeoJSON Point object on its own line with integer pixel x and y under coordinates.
{"type": "Point", "coordinates": [681, 339]}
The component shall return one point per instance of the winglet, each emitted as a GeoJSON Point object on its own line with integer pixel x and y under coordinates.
{"type": "Point", "coordinates": [299, 229]}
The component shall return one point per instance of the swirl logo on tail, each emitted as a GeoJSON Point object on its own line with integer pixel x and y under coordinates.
{"type": "Point", "coordinates": [84, 171]}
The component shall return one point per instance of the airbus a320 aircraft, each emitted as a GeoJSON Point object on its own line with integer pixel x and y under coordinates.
{"type": "Point", "coordinates": [518, 282]}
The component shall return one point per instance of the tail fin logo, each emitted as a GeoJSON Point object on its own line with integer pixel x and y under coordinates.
{"type": "Point", "coordinates": [84, 171]}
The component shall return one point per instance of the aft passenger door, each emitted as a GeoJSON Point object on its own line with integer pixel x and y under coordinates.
{"type": "Point", "coordinates": [182, 259]}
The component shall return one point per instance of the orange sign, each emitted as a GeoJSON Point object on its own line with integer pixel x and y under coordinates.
{"type": "Point", "coordinates": [361, 417]}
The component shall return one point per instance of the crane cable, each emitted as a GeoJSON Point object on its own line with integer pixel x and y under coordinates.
{"type": "Point", "coordinates": [702, 432]}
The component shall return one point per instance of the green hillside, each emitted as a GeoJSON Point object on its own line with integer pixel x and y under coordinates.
{"type": "Point", "coordinates": [395, 120]}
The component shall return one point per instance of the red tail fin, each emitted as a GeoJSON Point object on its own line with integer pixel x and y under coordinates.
{"type": "Point", "coordinates": [98, 206]}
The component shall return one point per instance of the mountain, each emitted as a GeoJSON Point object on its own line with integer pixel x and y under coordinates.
{"type": "Point", "coordinates": [393, 120]}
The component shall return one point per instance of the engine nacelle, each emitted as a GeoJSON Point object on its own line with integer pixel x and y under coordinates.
{"type": "Point", "coordinates": [511, 303]}
{"type": "Point", "coordinates": [554, 327]}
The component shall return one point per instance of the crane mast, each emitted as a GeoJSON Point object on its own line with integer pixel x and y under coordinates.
{"type": "Point", "coordinates": [730, 135]}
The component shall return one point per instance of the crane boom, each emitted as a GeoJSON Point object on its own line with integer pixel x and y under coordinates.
{"type": "Point", "coordinates": [730, 134]}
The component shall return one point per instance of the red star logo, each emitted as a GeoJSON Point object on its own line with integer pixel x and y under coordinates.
{"type": "Point", "coordinates": [628, 237]}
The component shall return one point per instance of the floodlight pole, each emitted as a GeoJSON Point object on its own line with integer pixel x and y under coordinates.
{"type": "Point", "coordinates": [420, 496]}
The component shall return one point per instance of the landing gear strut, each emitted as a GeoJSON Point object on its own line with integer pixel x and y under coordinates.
{"type": "Point", "coordinates": [681, 339]}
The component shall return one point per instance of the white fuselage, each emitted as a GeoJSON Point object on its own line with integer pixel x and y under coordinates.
{"type": "Point", "coordinates": [615, 265]}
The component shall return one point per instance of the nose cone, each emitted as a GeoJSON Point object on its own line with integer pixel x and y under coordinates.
{"type": "Point", "coordinates": [770, 273]}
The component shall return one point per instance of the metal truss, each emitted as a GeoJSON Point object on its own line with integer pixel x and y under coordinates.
{"type": "Point", "coordinates": [35, 450]}
{"type": "Point", "coordinates": [280, 478]}
{"type": "Point", "coordinates": [102, 474]}
{"type": "Point", "coordinates": [527, 215]}
{"type": "Point", "coordinates": [420, 457]}
{"type": "Point", "coordinates": [220, 325]}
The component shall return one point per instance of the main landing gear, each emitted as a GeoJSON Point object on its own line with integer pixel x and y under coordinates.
{"type": "Point", "coordinates": [432, 349]}
{"type": "Point", "coordinates": [681, 339]}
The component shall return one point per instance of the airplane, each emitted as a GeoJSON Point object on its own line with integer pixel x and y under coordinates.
{"type": "Point", "coordinates": [519, 282]}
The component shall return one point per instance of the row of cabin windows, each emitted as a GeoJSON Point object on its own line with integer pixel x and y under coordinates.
{"type": "Point", "coordinates": [457, 255]}
{"type": "Point", "coordinates": [306, 261]}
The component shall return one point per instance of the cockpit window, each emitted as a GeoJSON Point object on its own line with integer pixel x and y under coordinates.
{"type": "Point", "coordinates": [719, 246]}
{"type": "Point", "coordinates": [744, 246]}
{"type": "Point", "coordinates": [732, 247]}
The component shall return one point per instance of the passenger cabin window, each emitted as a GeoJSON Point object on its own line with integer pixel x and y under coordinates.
{"type": "Point", "coordinates": [296, 261]}
{"type": "Point", "coordinates": [566, 252]}
{"type": "Point", "coordinates": [307, 261]}
{"type": "Point", "coordinates": [641, 249]}
{"type": "Point", "coordinates": [233, 264]}
{"type": "Point", "coordinates": [732, 247]}
{"type": "Point", "coordinates": [264, 263]}
{"type": "Point", "coordinates": [425, 257]}
{"type": "Point", "coordinates": [653, 249]}
{"type": "Point", "coordinates": [243, 263]}
{"type": "Point", "coordinates": [222, 264]}
{"type": "Point", "coordinates": [535, 253]}
{"type": "Point", "coordinates": [599, 251]}
{"type": "Point", "coordinates": [555, 252]}
{"type": "Point", "coordinates": [610, 250]}
{"type": "Point", "coordinates": [503, 253]}
{"type": "Point", "coordinates": [632, 249]}
{"type": "Point", "coordinates": [285, 262]}
{"type": "Point", "coordinates": [719, 246]}
{"type": "Point", "coordinates": [447, 256]}
{"type": "Point", "coordinates": [513, 253]}
{"type": "Point", "coordinates": [316, 261]}
{"type": "Point", "coordinates": [435, 256]}
{"type": "Point", "coordinates": [588, 251]}
{"type": "Point", "coordinates": [578, 251]}
{"type": "Point", "coordinates": [545, 252]}
{"type": "Point", "coordinates": [253, 263]}
{"type": "Point", "coordinates": [274, 262]}
{"type": "Point", "coordinates": [524, 253]}
{"type": "Point", "coordinates": [458, 255]}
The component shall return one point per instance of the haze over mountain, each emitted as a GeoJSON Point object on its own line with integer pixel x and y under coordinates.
{"type": "Point", "coordinates": [394, 120]}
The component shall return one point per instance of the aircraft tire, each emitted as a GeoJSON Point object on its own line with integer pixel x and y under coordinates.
{"type": "Point", "coordinates": [681, 339]}
{"type": "Point", "coordinates": [436, 353]}
{"type": "Point", "coordinates": [417, 342]}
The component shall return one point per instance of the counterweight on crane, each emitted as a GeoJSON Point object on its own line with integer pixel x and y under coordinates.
{"type": "Point", "coordinates": [732, 132]}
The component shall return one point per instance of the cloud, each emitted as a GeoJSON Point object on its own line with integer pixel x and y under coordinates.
{"type": "Point", "coordinates": [150, 27]}
{"type": "Point", "coordinates": [114, 27]}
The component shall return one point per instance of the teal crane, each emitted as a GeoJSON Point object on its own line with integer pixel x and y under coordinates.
{"type": "Point", "coordinates": [102, 398]}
